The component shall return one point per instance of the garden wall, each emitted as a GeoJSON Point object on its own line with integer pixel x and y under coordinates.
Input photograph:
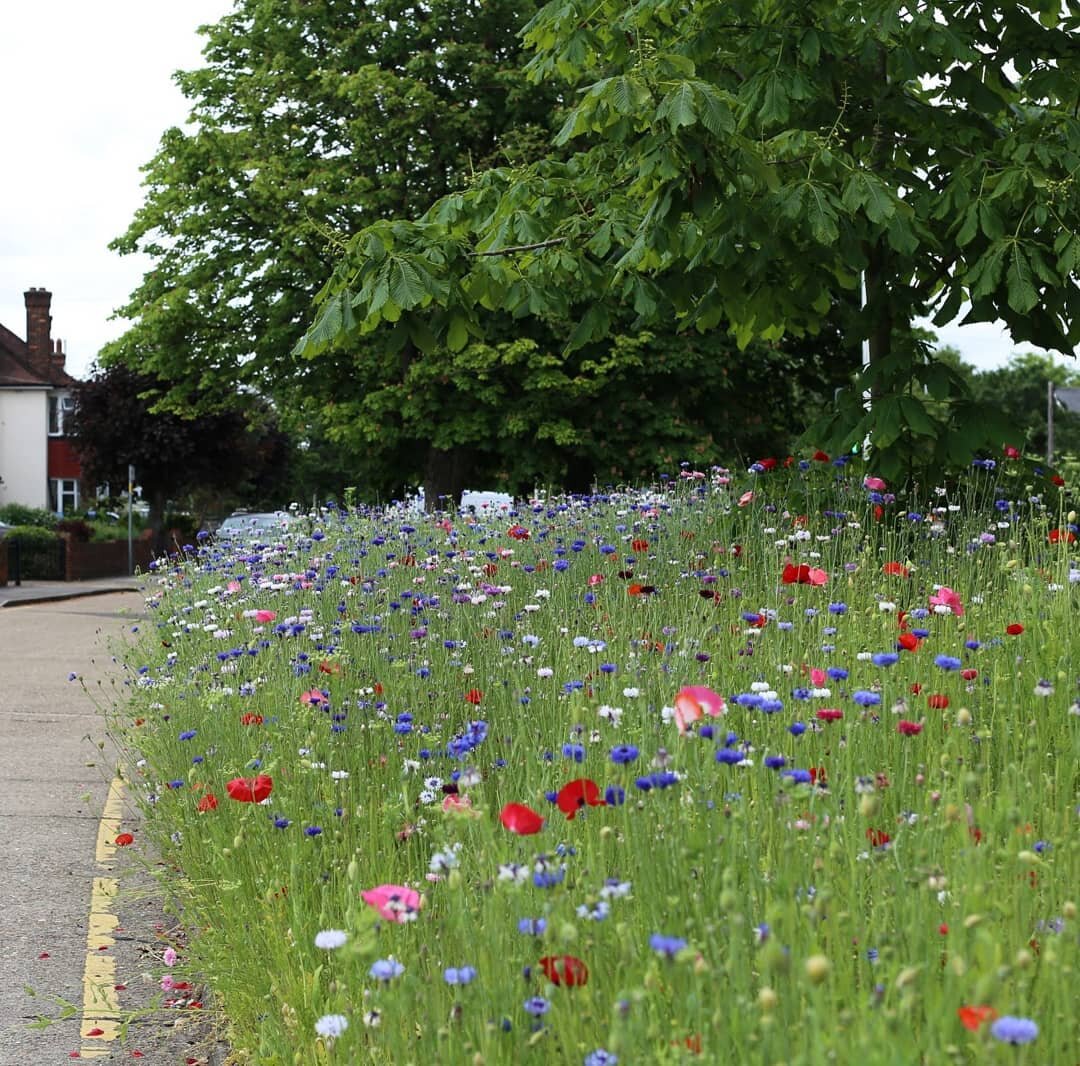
{"type": "Point", "coordinates": [89, 559]}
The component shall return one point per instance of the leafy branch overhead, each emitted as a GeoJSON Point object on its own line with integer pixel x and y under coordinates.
{"type": "Point", "coordinates": [743, 165]}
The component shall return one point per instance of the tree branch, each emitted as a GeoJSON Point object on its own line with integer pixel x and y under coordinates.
{"type": "Point", "coordinates": [524, 247]}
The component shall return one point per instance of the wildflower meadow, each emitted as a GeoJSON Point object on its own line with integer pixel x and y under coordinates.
{"type": "Point", "coordinates": [747, 766]}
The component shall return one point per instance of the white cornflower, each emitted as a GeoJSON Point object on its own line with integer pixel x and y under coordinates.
{"type": "Point", "coordinates": [331, 1026]}
{"type": "Point", "coordinates": [331, 939]}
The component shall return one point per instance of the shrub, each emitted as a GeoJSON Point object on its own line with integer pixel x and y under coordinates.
{"type": "Point", "coordinates": [18, 514]}
{"type": "Point", "coordinates": [38, 552]}
{"type": "Point", "coordinates": [79, 529]}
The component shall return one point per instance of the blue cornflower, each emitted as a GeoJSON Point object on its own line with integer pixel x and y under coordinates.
{"type": "Point", "coordinates": [313, 831]}
{"type": "Point", "coordinates": [837, 608]}
{"type": "Point", "coordinates": [837, 673]}
{"type": "Point", "coordinates": [600, 1057]}
{"type": "Point", "coordinates": [614, 796]}
{"type": "Point", "coordinates": [1010, 1030]}
{"type": "Point", "coordinates": [730, 756]}
{"type": "Point", "coordinates": [386, 969]}
{"type": "Point", "coordinates": [799, 777]}
{"type": "Point", "coordinates": [187, 734]}
{"type": "Point", "coordinates": [282, 823]}
{"type": "Point", "coordinates": [459, 975]}
{"type": "Point", "coordinates": [796, 729]}
{"type": "Point", "coordinates": [532, 926]}
{"type": "Point", "coordinates": [775, 762]}
{"type": "Point", "coordinates": [884, 658]}
{"type": "Point", "coordinates": [947, 662]}
{"type": "Point", "coordinates": [667, 946]}
{"type": "Point", "coordinates": [537, 1005]}
{"type": "Point", "coordinates": [623, 754]}
{"type": "Point", "coordinates": [866, 699]}
{"type": "Point", "coordinates": [574, 751]}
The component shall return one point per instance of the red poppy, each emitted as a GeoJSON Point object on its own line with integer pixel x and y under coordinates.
{"type": "Point", "coordinates": [973, 1017]}
{"type": "Point", "coordinates": [207, 803]}
{"type": "Point", "coordinates": [1014, 629]}
{"type": "Point", "coordinates": [124, 839]}
{"type": "Point", "coordinates": [938, 702]}
{"type": "Point", "coordinates": [819, 457]}
{"type": "Point", "coordinates": [521, 819]}
{"type": "Point", "coordinates": [639, 545]}
{"type": "Point", "coordinates": [1058, 480]}
{"type": "Point", "coordinates": [817, 773]}
{"type": "Point", "coordinates": [250, 789]}
{"type": "Point", "coordinates": [969, 675]}
{"type": "Point", "coordinates": [328, 667]}
{"type": "Point", "coordinates": [908, 642]}
{"type": "Point", "coordinates": [565, 970]}
{"type": "Point", "coordinates": [908, 729]}
{"type": "Point", "coordinates": [803, 575]}
{"type": "Point", "coordinates": [1011, 452]}
{"type": "Point", "coordinates": [577, 794]}
{"type": "Point", "coordinates": [943, 929]}
{"type": "Point", "coordinates": [829, 714]}
{"type": "Point", "coordinates": [251, 719]}
{"type": "Point", "coordinates": [878, 837]}
{"type": "Point", "coordinates": [896, 570]}
{"type": "Point", "coordinates": [975, 833]}
{"type": "Point", "coordinates": [916, 688]}
{"type": "Point", "coordinates": [768, 464]}
{"type": "Point", "coordinates": [1056, 535]}
{"type": "Point", "coordinates": [474, 696]}
{"type": "Point", "coordinates": [641, 590]}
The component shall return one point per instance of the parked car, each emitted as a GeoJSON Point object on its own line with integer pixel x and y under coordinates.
{"type": "Point", "coordinates": [245, 525]}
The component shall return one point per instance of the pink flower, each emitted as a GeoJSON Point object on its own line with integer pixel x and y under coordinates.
{"type": "Point", "coordinates": [945, 597]}
{"type": "Point", "coordinates": [313, 697]}
{"type": "Point", "coordinates": [395, 903]}
{"type": "Point", "coordinates": [265, 616]}
{"type": "Point", "coordinates": [874, 484]}
{"type": "Point", "coordinates": [692, 702]}
{"type": "Point", "coordinates": [746, 498]}
{"type": "Point", "coordinates": [818, 677]}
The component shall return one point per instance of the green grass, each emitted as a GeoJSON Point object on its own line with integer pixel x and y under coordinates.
{"type": "Point", "coordinates": [809, 938]}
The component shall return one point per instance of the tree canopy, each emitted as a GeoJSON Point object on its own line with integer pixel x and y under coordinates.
{"type": "Point", "coordinates": [113, 426]}
{"type": "Point", "coordinates": [310, 122]}
{"type": "Point", "coordinates": [747, 166]}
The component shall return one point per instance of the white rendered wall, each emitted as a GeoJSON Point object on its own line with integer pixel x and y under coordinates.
{"type": "Point", "coordinates": [24, 457]}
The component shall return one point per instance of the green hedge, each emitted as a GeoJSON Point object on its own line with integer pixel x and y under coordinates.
{"type": "Point", "coordinates": [40, 553]}
{"type": "Point", "coordinates": [18, 514]}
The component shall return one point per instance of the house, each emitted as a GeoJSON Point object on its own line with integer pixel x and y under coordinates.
{"type": "Point", "coordinates": [38, 466]}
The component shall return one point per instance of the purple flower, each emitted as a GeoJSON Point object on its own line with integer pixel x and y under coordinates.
{"type": "Point", "coordinates": [1010, 1030]}
{"type": "Point", "coordinates": [537, 1005]}
{"type": "Point", "coordinates": [623, 754]}
{"type": "Point", "coordinates": [386, 969]}
{"type": "Point", "coordinates": [667, 946]}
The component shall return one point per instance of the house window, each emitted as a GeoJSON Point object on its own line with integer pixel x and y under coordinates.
{"type": "Point", "coordinates": [64, 495]}
{"type": "Point", "coordinates": [60, 407]}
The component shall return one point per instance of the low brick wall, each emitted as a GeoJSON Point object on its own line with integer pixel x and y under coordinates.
{"type": "Point", "coordinates": [104, 558]}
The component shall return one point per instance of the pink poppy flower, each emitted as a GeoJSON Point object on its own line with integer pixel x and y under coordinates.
{"type": "Point", "coordinates": [265, 616]}
{"type": "Point", "coordinates": [945, 597]}
{"type": "Point", "coordinates": [313, 697]}
{"type": "Point", "coordinates": [693, 701]}
{"type": "Point", "coordinates": [874, 484]}
{"type": "Point", "coordinates": [395, 903]}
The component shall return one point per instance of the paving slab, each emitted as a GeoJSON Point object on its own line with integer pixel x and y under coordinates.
{"type": "Point", "coordinates": [67, 914]}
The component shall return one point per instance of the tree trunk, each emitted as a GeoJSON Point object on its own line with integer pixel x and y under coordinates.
{"type": "Point", "coordinates": [156, 521]}
{"type": "Point", "coordinates": [446, 476]}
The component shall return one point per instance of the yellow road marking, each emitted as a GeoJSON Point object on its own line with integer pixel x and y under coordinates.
{"type": "Point", "coordinates": [101, 1006]}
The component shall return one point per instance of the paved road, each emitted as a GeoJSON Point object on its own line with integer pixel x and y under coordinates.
{"type": "Point", "coordinates": [54, 782]}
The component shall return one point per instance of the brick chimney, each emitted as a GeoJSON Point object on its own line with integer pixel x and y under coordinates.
{"type": "Point", "coordinates": [39, 332]}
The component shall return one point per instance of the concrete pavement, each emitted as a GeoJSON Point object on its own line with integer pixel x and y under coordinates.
{"type": "Point", "coordinates": [57, 774]}
{"type": "Point", "coordinates": [12, 595]}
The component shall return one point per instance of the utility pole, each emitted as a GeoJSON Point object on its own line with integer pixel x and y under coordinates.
{"type": "Point", "coordinates": [1049, 423]}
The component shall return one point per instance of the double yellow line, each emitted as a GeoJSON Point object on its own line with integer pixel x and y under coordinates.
{"type": "Point", "coordinates": [101, 1005]}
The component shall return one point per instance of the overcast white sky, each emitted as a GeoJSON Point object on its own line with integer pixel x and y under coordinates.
{"type": "Point", "coordinates": [88, 91]}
